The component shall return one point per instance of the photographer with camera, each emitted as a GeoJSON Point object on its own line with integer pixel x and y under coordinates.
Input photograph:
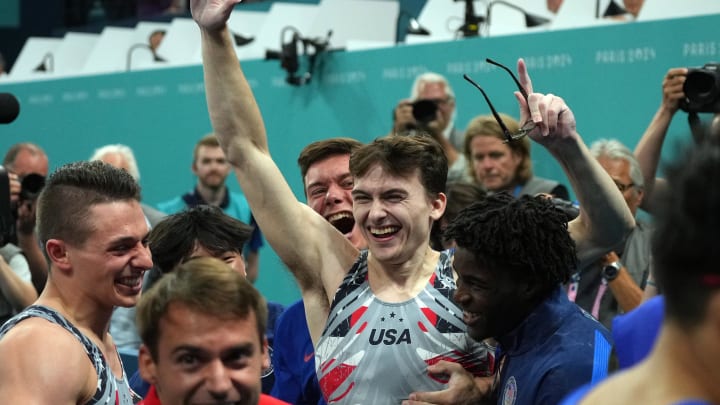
{"type": "Point", "coordinates": [693, 90]}
{"type": "Point", "coordinates": [29, 163]}
{"type": "Point", "coordinates": [431, 110]}
{"type": "Point", "coordinates": [16, 289]}
{"type": "Point", "coordinates": [650, 145]}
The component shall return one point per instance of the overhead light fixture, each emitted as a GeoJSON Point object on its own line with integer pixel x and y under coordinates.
{"type": "Point", "coordinates": [156, 57]}
{"type": "Point", "coordinates": [47, 64]}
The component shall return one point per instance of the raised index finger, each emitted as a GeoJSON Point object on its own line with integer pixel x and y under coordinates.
{"type": "Point", "coordinates": [524, 77]}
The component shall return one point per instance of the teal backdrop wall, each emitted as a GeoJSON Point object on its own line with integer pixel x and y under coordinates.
{"type": "Point", "coordinates": [610, 76]}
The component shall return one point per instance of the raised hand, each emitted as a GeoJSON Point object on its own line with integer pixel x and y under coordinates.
{"type": "Point", "coordinates": [403, 118]}
{"type": "Point", "coordinates": [672, 88]}
{"type": "Point", "coordinates": [212, 14]}
{"type": "Point", "coordinates": [553, 118]}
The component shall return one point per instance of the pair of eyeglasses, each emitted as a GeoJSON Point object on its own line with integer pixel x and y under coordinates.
{"type": "Point", "coordinates": [528, 126]}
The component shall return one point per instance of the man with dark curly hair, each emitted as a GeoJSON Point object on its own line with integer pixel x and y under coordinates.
{"type": "Point", "coordinates": [512, 257]}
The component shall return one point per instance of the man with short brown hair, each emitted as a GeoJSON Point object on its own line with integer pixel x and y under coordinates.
{"type": "Point", "coordinates": [212, 169]}
{"type": "Point", "coordinates": [59, 350]}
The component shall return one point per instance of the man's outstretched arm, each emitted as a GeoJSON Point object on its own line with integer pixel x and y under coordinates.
{"type": "Point", "coordinates": [649, 148]}
{"type": "Point", "coordinates": [315, 252]}
{"type": "Point", "coordinates": [605, 218]}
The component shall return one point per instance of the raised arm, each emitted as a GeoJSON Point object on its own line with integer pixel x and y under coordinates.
{"type": "Point", "coordinates": [316, 253]}
{"type": "Point", "coordinates": [648, 150]}
{"type": "Point", "coordinates": [604, 218]}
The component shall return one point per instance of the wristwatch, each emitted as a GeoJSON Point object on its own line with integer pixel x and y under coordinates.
{"type": "Point", "coordinates": [610, 271]}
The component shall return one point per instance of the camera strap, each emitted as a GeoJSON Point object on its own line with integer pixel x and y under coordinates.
{"type": "Point", "coordinates": [696, 127]}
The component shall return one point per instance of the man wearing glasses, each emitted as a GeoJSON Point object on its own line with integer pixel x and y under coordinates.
{"type": "Point", "coordinates": [433, 88]}
{"type": "Point", "coordinates": [614, 284]}
{"type": "Point", "coordinates": [431, 109]}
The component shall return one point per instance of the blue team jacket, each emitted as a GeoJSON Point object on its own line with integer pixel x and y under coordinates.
{"type": "Point", "coordinates": [557, 348]}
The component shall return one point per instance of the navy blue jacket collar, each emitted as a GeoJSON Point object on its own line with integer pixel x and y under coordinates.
{"type": "Point", "coordinates": [542, 322]}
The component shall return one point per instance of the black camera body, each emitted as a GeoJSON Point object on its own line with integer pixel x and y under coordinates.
{"type": "Point", "coordinates": [30, 187]}
{"type": "Point", "coordinates": [702, 89]}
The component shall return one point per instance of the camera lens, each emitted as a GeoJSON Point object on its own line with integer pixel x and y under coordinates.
{"type": "Point", "coordinates": [701, 86]}
{"type": "Point", "coordinates": [31, 185]}
{"type": "Point", "coordinates": [424, 111]}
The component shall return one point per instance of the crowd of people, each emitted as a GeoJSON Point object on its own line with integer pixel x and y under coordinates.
{"type": "Point", "coordinates": [434, 266]}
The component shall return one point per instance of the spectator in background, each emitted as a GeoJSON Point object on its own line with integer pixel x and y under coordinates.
{"type": "Point", "coordinates": [16, 288]}
{"type": "Point", "coordinates": [683, 365]}
{"type": "Point", "coordinates": [613, 284]}
{"type": "Point", "coordinates": [636, 332]}
{"type": "Point", "coordinates": [212, 169]}
{"type": "Point", "coordinates": [432, 87]}
{"type": "Point", "coordinates": [431, 109]}
{"type": "Point", "coordinates": [23, 159]}
{"type": "Point", "coordinates": [203, 330]}
{"type": "Point", "coordinates": [122, 157]}
{"type": "Point", "coordinates": [649, 148]}
{"type": "Point", "coordinates": [499, 166]}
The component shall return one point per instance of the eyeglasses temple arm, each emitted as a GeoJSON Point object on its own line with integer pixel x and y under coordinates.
{"type": "Point", "coordinates": [495, 114]}
{"type": "Point", "coordinates": [515, 79]}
